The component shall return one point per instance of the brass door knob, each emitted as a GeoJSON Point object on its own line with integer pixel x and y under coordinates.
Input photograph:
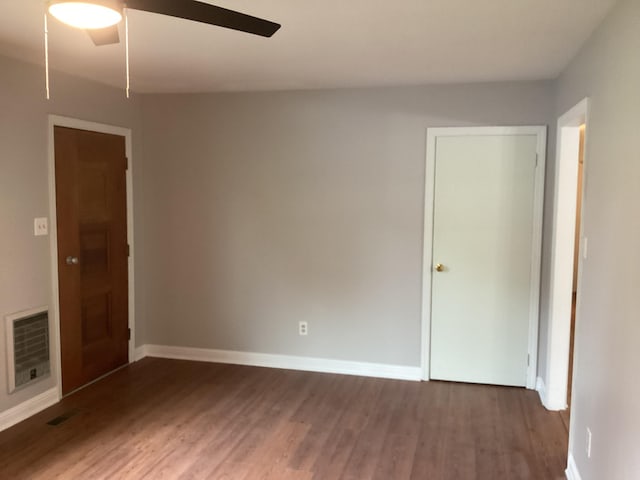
{"type": "Point", "coordinates": [439, 267]}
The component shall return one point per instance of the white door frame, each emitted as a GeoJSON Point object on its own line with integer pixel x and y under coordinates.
{"type": "Point", "coordinates": [56, 120]}
{"type": "Point", "coordinates": [554, 393]}
{"type": "Point", "coordinates": [427, 259]}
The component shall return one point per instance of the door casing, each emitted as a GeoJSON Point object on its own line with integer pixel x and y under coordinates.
{"type": "Point", "coordinates": [54, 312]}
{"type": "Point", "coordinates": [554, 393]}
{"type": "Point", "coordinates": [427, 258]}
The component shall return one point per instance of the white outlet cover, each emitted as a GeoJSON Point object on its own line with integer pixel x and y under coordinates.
{"type": "Point", "coordinates": [40, 226]}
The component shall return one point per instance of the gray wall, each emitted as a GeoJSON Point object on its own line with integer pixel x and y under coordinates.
{"type": "Point", "coordinates": [264, 209]}
{"type": "Point", "coordinates": [606, 395]}
{"type": "Point", "coordinates": [25, 278]}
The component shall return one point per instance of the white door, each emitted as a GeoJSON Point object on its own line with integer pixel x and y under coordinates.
{"type": "Point", "coordinates": [484, 256]}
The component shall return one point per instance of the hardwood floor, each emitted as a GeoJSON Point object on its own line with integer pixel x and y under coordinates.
{"type": "Point", "coordinates": [168, 419]}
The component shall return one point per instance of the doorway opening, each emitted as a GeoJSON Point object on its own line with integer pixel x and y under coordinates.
{"type": "Point", "coordinates": [569, 247]}
{"type": "Point", "coordinates": [576, 262]}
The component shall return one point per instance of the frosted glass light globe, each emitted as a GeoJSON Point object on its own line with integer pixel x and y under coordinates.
{"type": "Point", "coordinates": [85, 15]}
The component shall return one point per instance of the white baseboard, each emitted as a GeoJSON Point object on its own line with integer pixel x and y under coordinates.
{"type": "Point", "coordinates": [30, 407]}
{"type": "Point", "coordinates": [555, 400]}
{"type": "Point", "coordinates": [550, 400]}
{"type": "Point", "coordinates": [572, 472]}
{"type": "Point", "coordinates": [541, 389]}
{"type": "Point", "coordinates": [290, 362]}
{"type": "Point", "coordinates": [139, 353]}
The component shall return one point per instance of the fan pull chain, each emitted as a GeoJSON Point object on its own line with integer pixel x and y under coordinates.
{"type": "Point", "coordinates": [46, 54]}
{"type": "Point", "coordinates": [126, 45]}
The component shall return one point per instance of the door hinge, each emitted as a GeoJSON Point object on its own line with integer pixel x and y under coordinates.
{"type": "Point", "coordinates": [537, 157]}
{"type": "Point", "coordinates": [128, 334]}
{"type": "Point", "coordinates": [528, 360]}
{"type": "Point", "coordinates": [128, 250]}
{"type": "Point", "coordinates": [126, 163]}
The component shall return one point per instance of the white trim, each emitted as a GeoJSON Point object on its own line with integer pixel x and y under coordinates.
{"type": "Point", "coordinates": [572, 471]}
{"type": "Point", "coordinates": [536, 257]}
{"type": "Point", "coordinates": [562, 252]}
{"type": "Point", "coordinates": [56, 120]}
{"type": "Point", "coordinates": [289, 362]}
{"type": "Point", "coordinates": [480, 131]}
{"type": "Point", "coordinates": [30, 407]}
{"type": "Point", "coordinates": [140, 353]}
{"type": "Point", "coordinates": [427, 255]}
{"type": "Point", "coordinates": [536, 247]}
{"type": "Point", "coordinates": [553, 399]}
{"type": "Point", "coordinates": [545, 397]}
{"type": "Point", "coordinates": [541, 388]}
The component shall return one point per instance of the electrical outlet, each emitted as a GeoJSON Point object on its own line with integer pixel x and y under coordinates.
{"type": "Point", "coordinates": [588, 443]}
{"type": "Point", "coordinates": [303, 328]}
{"type": "Point", "coordinates": [40, 226]}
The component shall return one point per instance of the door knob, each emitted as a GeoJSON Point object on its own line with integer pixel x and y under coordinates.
{"type": "Point", "coordinates": [72, 260]}
{"type": "Point", "coordinates": [439, 267]}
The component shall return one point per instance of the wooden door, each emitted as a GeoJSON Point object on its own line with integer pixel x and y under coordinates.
{"type": "Point", "coordinates": [92, 254]}
{"type": "Point", "coordinates": [483, 228]}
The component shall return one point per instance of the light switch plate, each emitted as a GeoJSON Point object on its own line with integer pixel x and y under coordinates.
{"type": "Point", "coordinates": [40, 226]}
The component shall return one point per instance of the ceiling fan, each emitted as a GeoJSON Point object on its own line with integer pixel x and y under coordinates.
{"type": "Point", "coordinates": [100, 17]}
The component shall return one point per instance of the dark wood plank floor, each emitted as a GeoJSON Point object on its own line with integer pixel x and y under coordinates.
{"type": "Point", "coordinates": [167, 419]}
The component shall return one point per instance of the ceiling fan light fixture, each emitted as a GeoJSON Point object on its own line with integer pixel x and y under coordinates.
{"type": "Point", "coordinates": [87, 14]}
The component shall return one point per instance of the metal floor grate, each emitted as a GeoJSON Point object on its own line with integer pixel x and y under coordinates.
{"type": "Point", "coordinates": [63, 418]}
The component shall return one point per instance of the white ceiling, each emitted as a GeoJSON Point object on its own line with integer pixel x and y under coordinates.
{"type": "Point", "coordinates": [322, 44]}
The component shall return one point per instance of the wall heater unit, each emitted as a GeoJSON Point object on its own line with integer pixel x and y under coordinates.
{"type": "Point", "coordinates": [27, 347]}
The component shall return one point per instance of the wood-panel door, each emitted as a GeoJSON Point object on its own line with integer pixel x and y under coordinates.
{"type": "Point", "coordinates": [91, 203]}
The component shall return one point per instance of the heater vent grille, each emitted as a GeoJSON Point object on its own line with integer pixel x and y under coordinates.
{"type": "Point", "coordinates": [28, 347]}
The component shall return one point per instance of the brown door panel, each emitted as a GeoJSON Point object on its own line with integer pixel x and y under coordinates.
{"type": "Point", "coordinates": [92, 233]}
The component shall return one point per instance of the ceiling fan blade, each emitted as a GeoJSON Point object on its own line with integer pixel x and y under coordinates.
{"type": "Point", "coordinates": [104, 36]}
{"type": "Point", "coordinates": [205, 13]}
